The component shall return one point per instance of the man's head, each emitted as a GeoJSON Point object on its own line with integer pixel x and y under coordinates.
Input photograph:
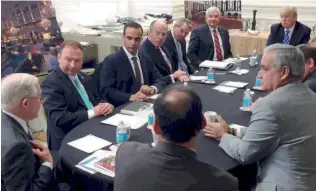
{"type": "Point", "coordinates": [132, 36]}
{"type": "Point", "coordinates": [213, 16]}
{"type": "Point", "coordinates": [181, 28]}
{"type": "Point", "coordinates": [157, 32]}
{"type": "Point", "coordinates": [21, 95]}
{"type": "Point", "coordinates": [288, 17]}
{"type": "Point", "coordinates": [312, 42]}
{"type": "Point", "coordinates": [178, 115]}
{"type": "Point", "coordinates": [310, 58]}
{"type": "Point", "coordinates": [280, 65]}
{"type": "Point", "coordinates": [70, 57]}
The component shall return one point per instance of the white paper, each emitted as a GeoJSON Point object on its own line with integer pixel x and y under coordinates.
{"type": "Point", "coordinates": [240, 72]}
{"type": "Point", "coordinates": [89, 143]}
{"type": "Point", "coordinates": [195, 78]}
{"type": "Point", "coordinates": [235, 84]}
{"type": "Point", "coordinates": [214, 64]}
{"type": "Point", "coordinates": [233, 60]}
{"type": "Point", "coordinates": [135, 122]}
{"type": "Point", "coordinates": [225, 89]}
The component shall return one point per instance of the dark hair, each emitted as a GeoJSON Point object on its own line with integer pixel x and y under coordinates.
{"type": "Point", "coordinates": [53, 51]}
{"type": "Point", "coordinates": [308, 51]}
{"type": "Point", "coordinates": [71, 43]}
{"type": "Point", "coordinates": [178, 112]}
{"type": "Point", "coordinates": [133, 25]}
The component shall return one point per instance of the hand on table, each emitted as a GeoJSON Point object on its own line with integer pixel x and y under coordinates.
{"type": "Point", "coordinates": [147, 90]}
{"type": "Point", "coordinates": [42, 152]}
{"type": "Point", "coordinates": [139, 96]}
{"type": "Point", "coordinates": [185, 78]}
{"type": "Point", "coordinates": [177, 74]}
{"type": "Point", "coordinates": [106, 108]}
{"type": "Point", "coordinates": [216, 130]}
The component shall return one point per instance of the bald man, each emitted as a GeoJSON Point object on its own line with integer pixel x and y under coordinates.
{"type": "Point", "coordinates": [154, 49]}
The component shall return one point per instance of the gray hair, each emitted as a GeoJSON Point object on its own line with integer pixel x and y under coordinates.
{"type": "Point", "coordinates": [16, 87]}
{"type": "Point", "coordinates": [181, 21]}
{"type": "Point", "coordinates": [211, 10]}
{"type": "Point", "coordinates": [152, 24]}
{"type": "Point", "coordinates": [290, 56]}
{"type": "Point", "coordinates": [289, 9]}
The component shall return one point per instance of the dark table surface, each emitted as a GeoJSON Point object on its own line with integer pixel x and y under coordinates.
{"type": "Point", "coordinates": [226, 105]}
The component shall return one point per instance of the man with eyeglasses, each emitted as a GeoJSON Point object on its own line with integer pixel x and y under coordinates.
{"type": "Point", "coordinates": [25, 164]}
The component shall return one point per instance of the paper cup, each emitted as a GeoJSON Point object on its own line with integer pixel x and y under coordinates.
{"type": "Point", "coordinates": [210, 116]}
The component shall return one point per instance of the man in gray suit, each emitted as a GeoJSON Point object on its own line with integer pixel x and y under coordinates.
{"type": "Point", "coordinates": [25, 164]}
{"type": "Point", "coordinates": [172, 164]}
{"type": "Point", "coordinates": [281, 135]}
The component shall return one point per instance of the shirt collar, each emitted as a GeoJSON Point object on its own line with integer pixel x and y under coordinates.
{"type": "Point", "coordinates": [129, 55]}
{"type": "Point", "coordinates": [290, 29]}
{"type": "Point", "coordinates": [19, 120]}
{"type": "Point", "coordinates": [72, 78]}
{"type": "Point", "coordinates": [211, 28]}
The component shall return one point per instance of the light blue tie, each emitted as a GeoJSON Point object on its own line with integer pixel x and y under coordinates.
{"type": "Point", "coordinates": [83, 94]}
{"type": "Point", "coordinates": [181, 64]}
{"type": "Point", "coordinates": [286, 37]}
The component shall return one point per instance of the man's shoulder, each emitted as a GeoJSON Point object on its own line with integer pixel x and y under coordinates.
{"type": "Point", "coordinates": [132, 147]}
{"type": "Point", "coordinates": [303, 27]}
{"type": "Point", "coordinates": [275, 27]}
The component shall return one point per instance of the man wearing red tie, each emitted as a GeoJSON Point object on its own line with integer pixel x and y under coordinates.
{"type": "Point", "coordinates": [208, 41]}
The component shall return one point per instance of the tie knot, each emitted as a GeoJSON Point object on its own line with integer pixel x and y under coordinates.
{"type": "Point", "coordinates": [134, 58]}
{"type": "Point", "coordinates": [287, 30]}
{"type": "Point", "coordinates": [214, 30]}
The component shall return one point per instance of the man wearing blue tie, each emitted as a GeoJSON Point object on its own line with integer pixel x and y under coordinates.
{"type": "Point", "coordinates": [289, 31]}
{"type": "Point", "coordinates": [68, 96]}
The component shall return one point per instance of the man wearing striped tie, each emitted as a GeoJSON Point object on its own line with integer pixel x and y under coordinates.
{"type": "Point", "coordinates": [289, 31]}
{"type": "Point", "coordinates": [68, 96]}
{"type": "Point", "coordinates": [209, 41]}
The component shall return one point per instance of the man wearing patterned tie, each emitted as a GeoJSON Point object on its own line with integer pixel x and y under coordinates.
{"type": "Point", "coordinates": [68, 97]}
{"type": "Point", "coordinates": [289, 31]}
{"type": "Point", "coordinates": [153, 48]}
{"type": "Point", "coordinates": [209, 41]}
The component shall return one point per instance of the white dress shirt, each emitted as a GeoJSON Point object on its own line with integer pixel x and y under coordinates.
{"type": "Point", "coordinates": [91, 113]}
{"type": "Point", "coordinates": [130, 56]}
{"type": "Point", "coordinates": [26, 129]}
{"type": "Point", "coordinates": [291, 31]}
{"type": "Point", "coordinates": [220, 42]}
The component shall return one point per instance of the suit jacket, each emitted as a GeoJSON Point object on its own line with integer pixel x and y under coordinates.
{"type": "Point", "coordinates": [311, 81]}
{"type": "Point", "coordinates": [152, 52]}
{"type": "Point", "coordinates": [300, 35]}
{"type": "Point", "coordinates": [166, 167]}
{"type": "Point", "coordinates": [171, 47]}
{"type": "Point", "coordinates": [117, 77]}
{"type": "Point", "coordinates": [63, 105]}
{"type": "Point", "coordinates": [20, 168]}
{"type": "Point", "coordinates": [282, 137]}
{"type": "Point", "coordinates": [201, 46]}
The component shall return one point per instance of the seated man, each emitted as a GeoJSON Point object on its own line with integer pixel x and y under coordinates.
{"type": "Point", "coordinates": [127, 74]}
{"type": "Point", "coordinates": [153, 48]}
{"type": "Point", "coordinates": [172, 164]}
{"type": "Point", "coordinates": [312, 42]}
{"type": "Point", "coordinates": [289, 31]}
{"type": "Point", "coordinates": [310, 66]}
{"type": "Point", "coordinates": [209, 41]}
{"type": "Point", "coordinates": [281, 135]}
{"type": "Point", "coordinates": [176, 45]}
{"type": "Point", "coordinates": [68, 99]}
{"type": "Point", "coordinates": [25, 164]}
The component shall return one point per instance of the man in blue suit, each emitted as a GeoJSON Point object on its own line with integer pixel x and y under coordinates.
{"type": "Point", "coordinates": [129, 75]}
{"type": "Point", "coordinates": [289, 31]}
{"type": "Point", "coordinates": [69, 101]}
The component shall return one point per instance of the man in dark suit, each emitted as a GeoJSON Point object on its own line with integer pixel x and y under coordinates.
{"type": "Point", "coordinates": [172, 164]}
{"type": "Point", "coordinates": [25, 164]}
{"type": "Point", "coordinates": [310, 66]}
{"type": "Point", "coordinates": [208, 41]}
{"type": "Point", "coordinates": [129, 75]}
{"type": "Point", "coordinates": [153, 48]}
{"type": "Point", "coordinates": [176, 45]}
{"type": "Point", "coordinates": [68, 99]}
{"type": "Point", "coordinates": [289, 31]}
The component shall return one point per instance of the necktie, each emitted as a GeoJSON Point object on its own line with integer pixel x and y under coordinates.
{"type": "Point", "coordinates": [286, 37]}
{"type": "Point", "coordinates": [83, 94]}
{"type": "Point", "coordinates": [137, 71]}
{"type": "Point", "coordinates": [218, 49]}
{"type": "Point", "coordinates": [29, 133]}
{"type": "Point", "coordinates": [181, 63]}
{"type": "Point", "coordinates": [165, 58]}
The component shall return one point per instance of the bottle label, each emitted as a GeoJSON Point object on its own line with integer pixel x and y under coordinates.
{"type": "Point", "coordinates": [121, 136]}
{"type": "Point", "coordinates": [150, 119]}
{"type": "Point", "coordinates": [210, 76]}
{"type": "Point", "coordinates": [258, 82]}
{"type": "Point", "coordinates": [246, 102]}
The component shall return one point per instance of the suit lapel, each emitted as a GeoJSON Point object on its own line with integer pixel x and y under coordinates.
{"type": "Point", "coordinates": [165, 50]}
{"type": "Point", "coordinates": [295, 35]}
{"type": "Point", "coordinates": [127, 64]}
{"type": "Point", "coordinates": [281, 34]}
{"type": "Point", "coordinates": [209, 39]}
{"type": "Point", "coordinates": [222, 34]}
{"type": "Point", "coordinates": [157, 57]}
{"type": "Point", "coordinates": [144, 69]}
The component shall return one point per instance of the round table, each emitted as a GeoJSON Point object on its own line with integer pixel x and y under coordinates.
{"type": "Point", "coordinates": [226, 105]}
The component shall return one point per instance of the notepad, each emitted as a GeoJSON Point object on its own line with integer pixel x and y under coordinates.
{"type": "Point", "coordinates": [240, 72]}
{"type": "Point", "coordinates": [225, 89]}
{"type": "Point", "coordinates": [89, 143]}
{"type": "Point", "coordinates": [197, 78]}
{"type": "Point", "coordinates": [135, 122]}
{"type": "Point", "coordinates": [234, 84]}
{"type": "Point", "coordinates": [216, 64]}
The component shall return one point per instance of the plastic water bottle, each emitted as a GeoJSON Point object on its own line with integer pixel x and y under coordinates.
{"type": "Point", "coordinates": [210, 75]}
{"type": "Point", "coordinates": [150, 120]}
{"type": "Point", "coordinates": [255, 56]}
{"type": "Point", "coordinates": [122, 133]}
{"type": "Point", "coordinates": [247, 100]}
{"type": "Point", "coordinates": [238, 63]}
{"type": "Point", "coordinates": [258, 82]}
